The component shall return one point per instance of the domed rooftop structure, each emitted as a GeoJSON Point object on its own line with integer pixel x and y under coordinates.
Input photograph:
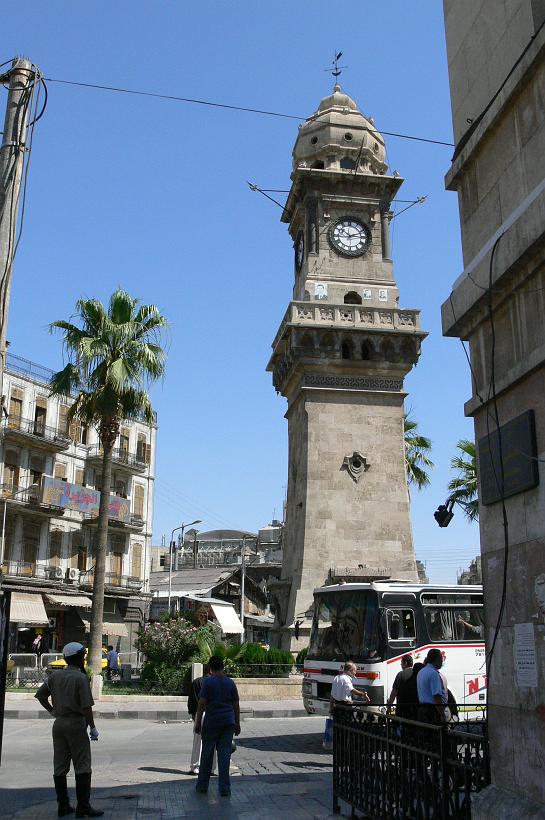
{"type": "Point", "coordinates": [338, 137]}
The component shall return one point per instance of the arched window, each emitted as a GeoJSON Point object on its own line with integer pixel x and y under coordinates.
{"type": "Point", "coordinates": [366, 351]}
{"type": "Point", "coordinates": [346, 351]}
{"type": "Point", "coordinates": [347, 163]}
{"type": "Point", "coordinates": [352, 298]}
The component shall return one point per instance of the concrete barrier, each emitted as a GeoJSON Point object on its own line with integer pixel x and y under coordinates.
{"type": "Point", "coordinates": [269, 688]}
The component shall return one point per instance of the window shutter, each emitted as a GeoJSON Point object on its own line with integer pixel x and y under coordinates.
{"type": "Point", "coordinates": [138, 500]}
{"type": "Point", "coordinates": [80, 475]}
{"type": "Point", "coordinates": [60, 471]}
{"type": "Point", "coordinates": [55, 548]}
{"type": "Point", "coordinates": [63, 418]}
{"type": "Point", "coordinates": [136, 564]}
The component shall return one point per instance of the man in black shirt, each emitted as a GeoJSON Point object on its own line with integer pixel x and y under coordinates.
{"type": "Point", "coordinates": [404, 691]}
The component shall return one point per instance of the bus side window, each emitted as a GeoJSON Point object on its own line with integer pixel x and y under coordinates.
{"type": "Point", "coordinates": [401, 625]}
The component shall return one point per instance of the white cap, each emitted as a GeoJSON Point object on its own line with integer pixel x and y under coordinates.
{"type": "Point", "coordinates": [72, 648]}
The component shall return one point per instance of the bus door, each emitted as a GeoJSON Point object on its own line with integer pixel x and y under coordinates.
{"type": "Point", "coordinates": [401, 633]}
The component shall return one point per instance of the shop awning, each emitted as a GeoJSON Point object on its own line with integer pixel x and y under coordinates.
{"type": "Point", "coordinates": [227, 619]}
{"type": "Point", "coordinates": [112, 625]}
{"type": "Point", "coordinates": [81, 601]}
{"type": "Point", "coordinates": [28, 608]}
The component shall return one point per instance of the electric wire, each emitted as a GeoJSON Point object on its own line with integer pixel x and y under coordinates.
{"type": "Point", "coordinates": [229, 107]}
{"type": "Point", "coordinates": [473, 377]}
{"type": "Point", "coordinates": [254, 187]}
{"type": "Point", "coordinates": [501, 484]}
{"type": "Point", "coordinates": [418, 201]}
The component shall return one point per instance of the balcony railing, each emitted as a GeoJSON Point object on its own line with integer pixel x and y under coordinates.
{"type": "Point", "coordinates": [114, 579]}
{"type": "Point", "coordinates": [23, 569]}
{"type": "Point", "coordinates": [37, 429]}
{"type": "Point", "coordinates": [31, 494]}
{"type": "Point", "coordinates": [136, 521]}
{"type": "Point", "coordinates": [136, 461]}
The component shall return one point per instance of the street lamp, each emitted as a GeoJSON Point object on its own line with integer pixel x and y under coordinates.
{"type": "Point", "coordinates": [13, 495]}
{"type": "Point", "coordinates": [182, 528]}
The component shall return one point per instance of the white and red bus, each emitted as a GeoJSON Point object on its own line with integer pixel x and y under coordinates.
{"type": "Point", "coordinates": [375, 624]}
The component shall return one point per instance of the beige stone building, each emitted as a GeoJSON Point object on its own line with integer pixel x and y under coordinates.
{"type": "Point", "coordinates": [496, 54]}
{"type": "Point", "coordinates": [340, 357]}
{"type": "Point", "coordinates": [51, 485]}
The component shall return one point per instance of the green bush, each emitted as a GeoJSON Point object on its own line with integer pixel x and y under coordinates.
{"type": "Point", "coordinates": [256, 662]}
{"type": "Point", "coordinates": [164, 679]}
{"type": "Point", "coordinates": [301, 656]}
{"type": "Point", "coordinates": [169, 647]}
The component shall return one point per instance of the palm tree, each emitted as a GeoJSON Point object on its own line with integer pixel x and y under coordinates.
{"type": "Point", "coordinates": [113, 354]}
{"type": "Point", "coordinates": [417, 449]}
{"type": "Point", "coordinates": [463, 489]}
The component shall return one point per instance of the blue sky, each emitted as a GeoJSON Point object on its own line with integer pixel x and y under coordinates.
{"type": "Point", "coordinates": [151, 195]}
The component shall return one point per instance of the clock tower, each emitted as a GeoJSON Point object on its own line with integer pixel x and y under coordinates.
{"type": "Point", "coordinates": [340, 356]}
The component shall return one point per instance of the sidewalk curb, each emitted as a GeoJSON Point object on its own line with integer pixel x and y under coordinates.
{"type": "Point", "coordinates": [157, 715]}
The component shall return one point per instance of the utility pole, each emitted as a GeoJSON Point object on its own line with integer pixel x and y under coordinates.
{"type": "Point", "coordinates": [242, 577]}
{"type": "Point", "coordinates": [22, 77]}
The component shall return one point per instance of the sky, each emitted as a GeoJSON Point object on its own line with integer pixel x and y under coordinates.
{"type": "Point", "coordinates": [152, 195]}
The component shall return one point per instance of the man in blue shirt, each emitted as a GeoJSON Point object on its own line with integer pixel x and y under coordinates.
{"type": "Point", "coordinates": [219, 702]}
{"type": "Point", "coordinates": [432, 695]}
{"type": "Point", "coordinates": [113, 662]}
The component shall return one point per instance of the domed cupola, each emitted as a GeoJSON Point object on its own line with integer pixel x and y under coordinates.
{"type": "Point", "coordinates": [338, 137]}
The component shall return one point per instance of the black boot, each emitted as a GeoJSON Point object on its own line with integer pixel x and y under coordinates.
{"type": "Point", "coordinates": [62, 796]}
{"type": "Point", "coordinates": [83, 791]}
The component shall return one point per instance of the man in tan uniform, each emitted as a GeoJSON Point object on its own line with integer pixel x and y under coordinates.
{"type": "Point", "coordinates": [72, 706]}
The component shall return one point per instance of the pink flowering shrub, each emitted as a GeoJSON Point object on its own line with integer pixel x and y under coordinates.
{"type": "Point", "coordinates": [169, 648]}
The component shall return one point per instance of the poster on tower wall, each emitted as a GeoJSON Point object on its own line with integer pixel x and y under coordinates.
{"type": "Point", "coordinates": [58, 493]}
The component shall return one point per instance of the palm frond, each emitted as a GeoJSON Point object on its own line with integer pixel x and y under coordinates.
{"type": "Point", "coordinates": [417, 459]}
{"type": "Point", "coordinates": [463, 488]}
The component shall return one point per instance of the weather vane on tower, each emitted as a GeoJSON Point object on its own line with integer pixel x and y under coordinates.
{"type": "Point", "coordinates": [336, 71]}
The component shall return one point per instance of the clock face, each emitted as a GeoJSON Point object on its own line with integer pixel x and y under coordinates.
{"type": "Point", "coordinates": [299, 250]}
{"type": "Point", "coordinates": [350, 236]}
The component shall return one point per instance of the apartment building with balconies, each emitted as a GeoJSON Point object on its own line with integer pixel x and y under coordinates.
{"type": "Point", "coordinates": [50, 493]}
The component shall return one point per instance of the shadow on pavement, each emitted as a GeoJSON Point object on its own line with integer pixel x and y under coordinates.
{"type": "Point", "coordinates": [310, 743]}
{"type": "Point", "coordinates": [306, 795]}
{"type": "Point", "coordinates": [162, 771]}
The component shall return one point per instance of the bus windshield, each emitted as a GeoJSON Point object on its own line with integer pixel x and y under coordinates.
{"type": "Point", "coordinates": [346, 626]}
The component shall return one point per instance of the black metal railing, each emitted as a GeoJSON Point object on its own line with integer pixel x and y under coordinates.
{"type": "Point", "coordinates": [389, 768]}
{"type": "Point", "coordinates": [135, 521]}
{"type": "Point", "coordinates": [24, 569]}
{"type": "Point", "coordinates": [31, 494]}
{"type": "Point", "coordinates": [37, 428]}
{"type": "Point", "coordinates": [114, 579]}
{"type": "Point", "coordinates": [120, 456]}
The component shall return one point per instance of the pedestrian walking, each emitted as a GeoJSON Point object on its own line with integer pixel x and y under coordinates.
{"type": "Point", "coordinates": [219, 703]}
{"type": "Point", "coordinates": [112, 659]}
{"type": "Point", "coordinates": [432, 694]}
{"type": "Point", "coordinates": [192, 706]}
{"type": "Point", "coordinates": [343, 687]}
{"type": "Point", "coordinates": [72, 707]}
{"type": "Point", "coordinates": [404, 692]}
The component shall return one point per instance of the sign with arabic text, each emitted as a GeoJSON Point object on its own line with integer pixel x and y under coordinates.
{"type": "Point", "coordinates": [58, 493]}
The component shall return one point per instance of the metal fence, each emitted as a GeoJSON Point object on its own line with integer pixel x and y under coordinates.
{"type": "Point", "coordinates": [394, 769]}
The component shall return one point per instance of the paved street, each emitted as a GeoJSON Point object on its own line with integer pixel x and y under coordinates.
{"type": "Point", "coordinates": [140, 771]}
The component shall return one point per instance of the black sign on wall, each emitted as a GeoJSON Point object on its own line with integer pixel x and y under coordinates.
{"type": "Point", "coordinates": [520, 465]}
